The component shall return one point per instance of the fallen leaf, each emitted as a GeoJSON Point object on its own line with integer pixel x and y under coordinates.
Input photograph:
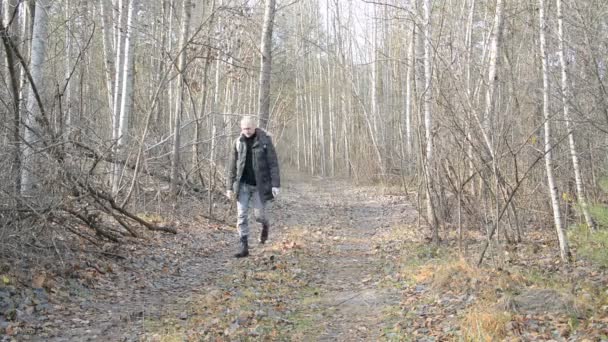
{"type": "Point", "coordinates": [10, 330]}
{"type": "Point", "coordinates": [289, 245]}
{"type": "Point", "coordinates": [38, 280]}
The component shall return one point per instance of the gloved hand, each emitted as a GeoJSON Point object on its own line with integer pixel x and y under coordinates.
{"type": "Point", "coordinates": [230, 194]}
{"type": "Point", "coordinates": [275, 192]}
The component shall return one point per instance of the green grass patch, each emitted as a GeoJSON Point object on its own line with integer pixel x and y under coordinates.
{"type": "Point", "coordinates": [603, 183]}
{"type": "Point", "coordinates": [536, 277]}
{"type": "Point", "coordinates": [591, 245]}
{"type": "Point", "coordinates": [599, 212]}
{"type": "Point", "coordinates": [302, 324]}
{"type": "Point", "coordinates": [167, 330]}
{"type": "Point", "coordinates": [420, 254]}
{"type": "Point", "coordinates": [309, 295]}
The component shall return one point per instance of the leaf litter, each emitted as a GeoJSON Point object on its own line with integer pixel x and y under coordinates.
{"type": "Point", "coordinates": [343, 263]}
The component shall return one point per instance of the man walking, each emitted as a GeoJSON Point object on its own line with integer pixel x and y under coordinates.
{"type": "Point", "coordinates": [253, 176]}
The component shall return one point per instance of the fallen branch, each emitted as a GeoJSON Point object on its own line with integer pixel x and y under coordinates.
{"type": "Point", "coordinates": [128, 214]}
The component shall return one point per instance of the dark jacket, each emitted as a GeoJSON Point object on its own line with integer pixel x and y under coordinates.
{"type": "Point", "coordinates": [265, 164]}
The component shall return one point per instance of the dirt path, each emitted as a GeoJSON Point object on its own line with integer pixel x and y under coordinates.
{"type": "Point", "coordinates": [343, 263]}
{"type": "Point", "coordinates": [321, 277]}
{"type": "Point", "coordinates": [350, 229]}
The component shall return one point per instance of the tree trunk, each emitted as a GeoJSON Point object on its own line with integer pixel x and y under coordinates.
{"type": "Point", "coordinates": [126, 89]}
{"type": "Point", "coordinates": [266, 64]}
{"type": "Point", "coordinates": [470, 93]}
{"type": "Point", "coordinates": [32, 129]}
{"type": "Point", "coordinates": [119, 38]}
{"type": "Point", "coordinates": [566, 97]}
{"type": "Point", "coordinates": [409, 80]}
{"type": "Point", "coordinates": [126, 98]}
{"type": "Point", "coordinates": [489, 120]}
{"type": "Point", "coordinates": [331, 89]}
{"type": "Point", "coordinates": [321, 119]}
{"type": "Point", "coordinates": [108, 51]}
{"type": "Point", "coordinates": [428, 121]}
{"type": "Point", "coordinates": [553, 191]}
{"type": "Point", "coordinates": [179, 101]}
{"type": "Point", "coordinates": [10, 31]}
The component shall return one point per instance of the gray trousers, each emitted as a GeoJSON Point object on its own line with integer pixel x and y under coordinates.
{"type": "Point", "coordinates": [249, 196]}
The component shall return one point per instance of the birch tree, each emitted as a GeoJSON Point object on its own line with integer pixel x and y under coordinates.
{"type": "Point", "coordinates": [469, 88]}
{"type": "Point", "coordinates": [266, 63]}
{"type": "Point", "coordinates": [553, 191]}
{"type": "Point", "coordinates": [566, 98]}
{"type": "Point", "coordinates": [34, 113]}
{"type": "Point", "coordinates": [70, 121]}
{"type": "Point", "coordinates": [428, 120]}
{"type": "Point", "coordinates": [179, 101]}
{"type": "Point", "coordinates": [108, 50]}
{"type": "Point", "coordinates": [120, 33]}
{"type": "Point", "coordinates": [409, 80]}
{"type": "Point", "coordinates": [489, 125]}
{"type": "Point", "coordinates": [125, 92]}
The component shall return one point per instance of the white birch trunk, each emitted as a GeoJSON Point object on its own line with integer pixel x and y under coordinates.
{"type": "Point", "coordinates": [126, 98]}
{"type": "Point", "coordinates": [171, 84]}
{"type": "Point", "coordinates": [216, 108]}
{"type": "Point", "coordinates": [126, 102]}
{"type": "Point", "coordinates": [566, 96]}
{"type": "Point", "coordinates": [311, 122]}
{"type": "Point", "coordinates": [299, 98]}
{"type": "Point", "coordinates": [266, 63]}
{"type": "Point", "coordinates": [159, 118]}
{"type": "Point", "coordinates": [488, 121]}
{"type": "Point", "coordinates": [179, 101]}
{"type": "Point", "coordinates": [202, 109]}
{"type": "Point", "coordinates": [26, 31]}
{"type": "Point", "coordinates": [348, 124]}
{"type": "Point", "coordinates": [67, 96]}
{"type": "Point", "coordinates": [470, 93]}
{"type": "Point", "coordinates": [488, 125]}
{"type": "Point", "coordinates": [120, 37]}
{"type": "Point", "coordinates": [32, 130]}
{"type": "Point", "coordinates": [321, 119]}
{"type": "Point", "coordinates": [297, 115]}
{"type": "Point", "coordinates": [428, 122]}
{"type": "Point", "coordinates": [108, 51]}
{"type": "Point", "coordinates": [409, 80]}
{"type": "Point", "coordinates": [374, 77]}
{"type": "Point", "coordinates": [340, 90]}
{"type": "Point", "coordinates": [553, 191]}
{"type": "Point", "coordinates": [331, 87]}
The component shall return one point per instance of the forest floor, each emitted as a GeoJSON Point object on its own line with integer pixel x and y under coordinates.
{"type": "Point", "coordinates": [343, 263]}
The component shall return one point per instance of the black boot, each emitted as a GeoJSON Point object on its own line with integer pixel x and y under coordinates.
{"type": "Point", "coordinates": [244, 248]}
{"type": "Point", "coordinates": [264, 235]}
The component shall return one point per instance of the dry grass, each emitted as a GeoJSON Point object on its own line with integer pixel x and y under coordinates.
{"type": "Point", "coordinates": [458, 274]}
{"type": "Point", "coordinates": [424, 274]}
{"type": "Point", "coordinates": [485, 324]}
